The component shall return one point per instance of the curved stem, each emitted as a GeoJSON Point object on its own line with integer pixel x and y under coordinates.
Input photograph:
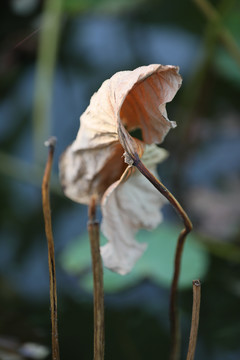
{"type": "Point", "coordinates": [165, 192]}
{"type": "Point", "coordinates": [173, 313]}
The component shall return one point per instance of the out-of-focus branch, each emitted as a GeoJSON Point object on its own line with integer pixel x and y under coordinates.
{"type": "Point", "coordinates": [224, 34]}
{"type": "Point", "coordinates": [48, 44]}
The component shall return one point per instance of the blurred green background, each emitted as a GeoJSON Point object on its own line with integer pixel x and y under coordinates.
{"type": "Point", "coordinates": [53, 56]}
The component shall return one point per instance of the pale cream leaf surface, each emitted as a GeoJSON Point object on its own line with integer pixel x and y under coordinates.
{"type": "Point", "coordinates": [128, 206]}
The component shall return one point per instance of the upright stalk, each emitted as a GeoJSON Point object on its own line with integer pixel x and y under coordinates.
{"type": "Point", "coordinates": [51, 258]}
{"type": "Point", "coordinates": [98, 292]}
{"type": "Point", "coordinates": [195, 319]}
{"type": "Point", "coordinates": [173, 312]}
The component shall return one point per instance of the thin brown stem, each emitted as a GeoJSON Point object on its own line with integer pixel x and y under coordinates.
{"type": "Point", "coordinates": [98, 292]}
{"type": "Point", "coordinates": [51, 258]}
{"type": "Point", "coordinates": [195, 319]}
{"type": "Point", "coordinates": [173, 313]}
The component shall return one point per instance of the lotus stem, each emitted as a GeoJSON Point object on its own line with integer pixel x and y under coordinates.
{"type": "Point", "coordinates": [195, 319]}
{"type": "Point", "coordinates": [98, 291]}
{"type": "Point", "coordinates": [173, 312]}
{"type": "Point", "coordinates": [50, 241]}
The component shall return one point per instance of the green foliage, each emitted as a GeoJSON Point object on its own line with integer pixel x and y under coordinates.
{"type": "Point", "coordinates": [228, 67]}
{"type": "Point", "coordinates": [74, 6]}
{"type": "Point", "coordinates": [155, 264]}
{"type": "Point", "coordinates": [224, 59]}
{"type": "Point", "coordinates": [227, 251]}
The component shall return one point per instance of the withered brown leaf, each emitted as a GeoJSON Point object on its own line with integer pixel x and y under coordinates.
{"type": "Point", "coordinates": [104, 150]}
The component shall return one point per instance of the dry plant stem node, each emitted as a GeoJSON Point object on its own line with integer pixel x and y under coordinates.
{"type": "Point", "coordinates": [195, 319]}
{"type": "Point", "coordinates": [51, 258]}
{"type": "Point", "coordinates": [98, 292]}
{"type": "Point", "coordinates": [174, 320]}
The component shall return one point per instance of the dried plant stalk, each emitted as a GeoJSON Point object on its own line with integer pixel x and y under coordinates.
{"type": "Point", "coordinates": [174, 316]}
{"type": "Point", "coordinates": [98, 292]}
{"type": "Point", "coordinates": [51, 259]}
{"type": "Point", "coordinates": [174, 320]}
{"type": "Point", "coordinates": [195, 319]}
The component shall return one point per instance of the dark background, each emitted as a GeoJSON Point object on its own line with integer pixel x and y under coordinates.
{"type": "Point", "coordinates": [96, 39]}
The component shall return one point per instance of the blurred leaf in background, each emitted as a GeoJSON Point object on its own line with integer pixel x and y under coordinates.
{"type": "Point", "coordinates": [155, 265]}
{"type": "Point", "coordinates": [75, 6]}
{"type": "Point", "coordinates": [226, 64]}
